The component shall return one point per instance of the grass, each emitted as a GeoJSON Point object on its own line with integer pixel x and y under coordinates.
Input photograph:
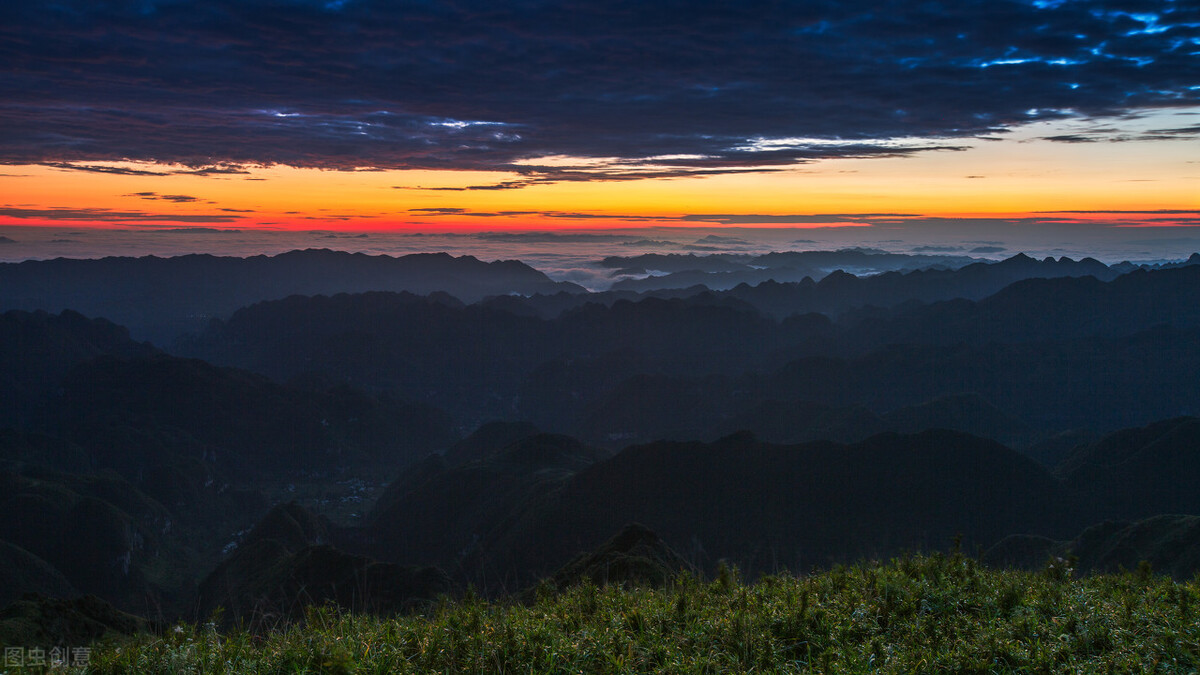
{"type": "Point", "coordinates": [939, 613]}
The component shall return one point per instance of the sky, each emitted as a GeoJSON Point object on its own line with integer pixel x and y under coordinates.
{"type": "Point", "coordinates": [1059, 124]}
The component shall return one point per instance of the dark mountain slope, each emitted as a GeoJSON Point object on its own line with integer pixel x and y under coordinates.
{"type": "Point", "coordinates": [1136, 473]}
{"type": "Point", "coordinates": [635, 556]}
{"type": "Point", "coordinates": [37, 349]}
{"type": "Point", "coordinates": [438, 515]}
{"type": "Point", "coordinates": [1098, 383]}
{"type": "Point", "coordinates": [472, 361]}
{"type": "Point", "coordinates": [237, 419]}
{"type": "Point", "coordinates": [1169, 543]}
{"type": "Point", "coordinates": [1057, 353]}
{"type": "Point", "coordinates": [777, 421]}
{"type": "Point", "coordinates": [486, 441]}
{"type": "Point", "coordinates": [1040, 310]}
{"type": "Point", "coordinates": [98, 531]}
{"type": "Point", "coordinates": [22, 572]}
{"type": "Point", "coordinates": [40, 620]}
{"type": "Point", "coordinates": [763, 506]}
{"type": "Point", "coordinates": [968, 413]}
{"type": "Point", "coordinates": [286, 564]}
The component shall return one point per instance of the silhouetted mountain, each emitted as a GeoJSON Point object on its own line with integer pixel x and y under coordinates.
{"type": "Point", "coordinates": [133, 470]}
{"type": "Point", "coordinates": [800, 422]}
{"type": "Point", "coordinates": [97, 531]}
{"type": "Point", "coordinates": [676, 262]}
{"type": "Point", "coordinates": [286, 564]}
{"type": "Point", "coordinates": [635, 556]}
{"type": "Point", "coordinates": [472, 361]}
{"type": "Point", "coordinates": [442, 516]}
{"type": "Point", "coordinates": [834, 291]}
{"type": "Point", "coordinates": [144, 466]}
{"type": "Point", "coordinates": [1136, 473]}
{"type": "Point", "coordinates": [21, 448]}
{"type": "Point", "coordinates": [764, 506]}
{"type": "Point", "coordinates": [1053, 450]}
{"type": "Point", "coordinates": [774, 506]}
{"type": "Point", "coordinates": [487, 441]}
{"type": "Point", "coordinates": [1050, 310]}
{"type": "Point", "coordinates": [160, 298]}
{"type": "Point", "coordinates": [725, 271]}
{"type": "Point", "coordinates": [1095, 383]}
{"type": "Point", "coordinates": [39, 620]}
{"type": "Point", "coordinates": [236, 419]}
{"type": "Point", "coordinates": [1053, 353]}
{"type": "Point", "coordinates": [1170, 543]}
{"type": "Point", "coordinates": [968, 413]}
{"type": "Point", "coordinates": [22, 572]}
{"type": "Point", "coordinates": [37, 349]}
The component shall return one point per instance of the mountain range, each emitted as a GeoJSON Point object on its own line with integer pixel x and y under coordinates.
{"type": "Point", "coordinates": [376, 449]}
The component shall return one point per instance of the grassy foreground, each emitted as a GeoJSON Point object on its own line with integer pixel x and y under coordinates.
{"type": "Point", "coordinates": [941, 613]}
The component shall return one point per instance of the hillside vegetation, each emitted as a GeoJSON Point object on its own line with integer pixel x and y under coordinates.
{"type": "Point", "coordinates": [942, 613]}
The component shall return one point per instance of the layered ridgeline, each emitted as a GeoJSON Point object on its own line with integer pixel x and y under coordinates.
{"type": "Point", "coordinates": [502, 522]}
{"type": "Point", "coordinates": [312, 449]}
{"type": "Point", "coordinates": [1039, 357]}
{"type": "Point", "coordinates": [159, 298]}
{"type": "Point", "coordinates": [129, 471]}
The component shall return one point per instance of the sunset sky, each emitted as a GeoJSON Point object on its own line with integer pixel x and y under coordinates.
{"type": "Point", "coordinates": [444, 116]}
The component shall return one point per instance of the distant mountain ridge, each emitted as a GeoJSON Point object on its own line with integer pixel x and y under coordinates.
{"type": "Point", "coordinates": [1054, 352]}
{"type": "Point", "coordinates": [746, 429]}
{"type": "Point", "coordinates": [780, 290]}
{"type": "Point", "coordinates": [724, 271]}
{"type": "Point", "coordinates": [159, 298]}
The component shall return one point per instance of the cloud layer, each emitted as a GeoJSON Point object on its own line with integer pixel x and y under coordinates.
{"type": "Point", "coordinates": [648, 89]}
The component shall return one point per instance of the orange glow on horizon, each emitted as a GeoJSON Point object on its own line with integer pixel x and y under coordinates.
{"type": "Point", "coordinates": [1022, 176]}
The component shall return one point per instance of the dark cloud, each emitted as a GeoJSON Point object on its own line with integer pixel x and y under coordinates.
{"type": "Point", "coordinates": [719, 240]}
{"type": "Point", "coordinates": [799, 219]}
{"type": "Point", "coordinates": [215, 170]}
{"type": "Point", "coordinates": [555, 237]}
{"type": "Point", "coordinates": [1073, 138]}
{"type": "Point", "coordinates": [105, 169]}
{"type": "Point", "coordinates": [649, 243]}
{"type": "Point", "coordinates": [565, 215]}
{"type": "Point", "coordinates": [701, 218]}
{"type": "Point", "coordinates": [1147, 211]}
{"type": "Point", "coordinates": [108, 215]}
{"type": "Point", "coordinates": [194, 230]}
{"type": "Point", "coordinates": [988, 249]}
{"type": "Point", "coordinates": [178, 199]}
{"type": "Point", "coordinates": [660, 89]}
{"type": "Point", "coordinates": [609, 172]}
{"type": "Point", "coordinates": [1110, 135]}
